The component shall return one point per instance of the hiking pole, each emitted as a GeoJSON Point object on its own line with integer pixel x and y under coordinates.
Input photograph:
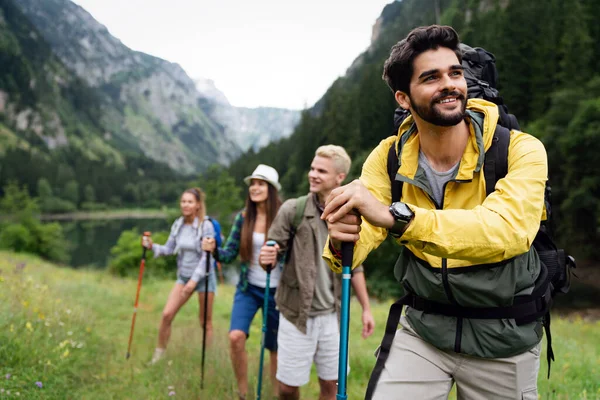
{"type": "Point", "coordinates": [264, 326]}
{"type": "Point", "coordinates": [347, 248]}
{"type": "Point", "coordinates": [137, 294]}
{"type": "Point", "coordinates": [204, 314]}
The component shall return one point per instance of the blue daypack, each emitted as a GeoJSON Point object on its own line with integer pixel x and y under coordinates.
{"type": "Point", "coordinates": [218, 234]}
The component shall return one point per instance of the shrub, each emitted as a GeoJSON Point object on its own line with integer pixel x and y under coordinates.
{"type": "Point", "coordinates": [16, 237]}
{"type": "Point", "coordinates": [126, 256]}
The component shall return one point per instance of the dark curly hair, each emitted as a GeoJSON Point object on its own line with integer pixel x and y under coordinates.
{"type": "Point", "coordinates": [398, 68]}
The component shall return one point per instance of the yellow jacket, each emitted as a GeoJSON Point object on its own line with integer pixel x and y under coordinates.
{"type": "Point", "coordinates": [471, 228]}
{"type": "Point", "coordinates": [473, 251]}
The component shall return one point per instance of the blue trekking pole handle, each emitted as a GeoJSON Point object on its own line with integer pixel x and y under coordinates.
{"type": "Point", "coordinates": [347, 249]}
{"type": "Point", "coordinates": [264, 325]}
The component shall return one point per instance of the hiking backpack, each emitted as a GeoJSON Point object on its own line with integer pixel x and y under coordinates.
{"type": "Point", "coordinates": [482, 77]}
{"type": "Point", "coordinates": [218, 234]}
{"type": "Point", "coordinates": [556, 265]}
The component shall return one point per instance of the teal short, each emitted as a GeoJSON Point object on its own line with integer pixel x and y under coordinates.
{"type": "Point", "coordinates": [212, 282]}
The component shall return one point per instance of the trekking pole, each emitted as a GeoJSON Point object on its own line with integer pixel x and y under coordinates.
{"type": "Point", "coordinates": [347, 248]}
{"type": "Point", "coordinates": [264, 325]}
{"type": "Point", "coordinates": [204, 314]}
{"type": "Point", "coordinates": [137, 294]}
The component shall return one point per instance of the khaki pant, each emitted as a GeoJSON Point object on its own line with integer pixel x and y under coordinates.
{"type": "Point", "coordinates": [416, 370]}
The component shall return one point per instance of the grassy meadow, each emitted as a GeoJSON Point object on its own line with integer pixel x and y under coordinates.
{"type": "Point", "coordinates": [64, 333]}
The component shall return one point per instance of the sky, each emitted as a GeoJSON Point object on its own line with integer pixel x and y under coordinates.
{"type": "Point", "coordinates": [275, 53]}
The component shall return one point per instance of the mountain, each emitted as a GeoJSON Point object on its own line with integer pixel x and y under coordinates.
{"type": "Point", "coordinates": [152, 104]}
{"type": "Point", "coordinates": [248, 127]}
{"type": "Point", "coordinates": [52, 131]}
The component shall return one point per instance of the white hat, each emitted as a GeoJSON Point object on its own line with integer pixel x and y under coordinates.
{"type": "Point", "coordinates": [265, 173]}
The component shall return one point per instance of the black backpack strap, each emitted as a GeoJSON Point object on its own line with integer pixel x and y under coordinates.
{"type": "Point", "coordinates": [391, 327]}
{"type": "Point", "coordinates": [392, 168]}
{"type": "Point", "coordinates": [495, 166]}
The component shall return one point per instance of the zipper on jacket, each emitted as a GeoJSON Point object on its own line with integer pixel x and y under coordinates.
{"type": "Point", "coordinates": [446, 283]}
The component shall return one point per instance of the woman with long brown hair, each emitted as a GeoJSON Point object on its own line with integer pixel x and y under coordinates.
{"type": "Point", "coordinates": [247, 236]}
{"type": "Point", "coordinates": [185, 240]}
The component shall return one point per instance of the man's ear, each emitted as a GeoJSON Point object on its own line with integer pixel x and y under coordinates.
{"type": "Point", "coordinates": [340, 178]}
{"type": "Point", "coordinates": [402, 99]}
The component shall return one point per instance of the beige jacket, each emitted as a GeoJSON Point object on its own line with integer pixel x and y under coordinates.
{"type": "Point", "coordinates": [297, 284]}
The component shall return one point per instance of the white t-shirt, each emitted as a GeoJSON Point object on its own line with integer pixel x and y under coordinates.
{"type": "Point", "coordinates": [256, 275]}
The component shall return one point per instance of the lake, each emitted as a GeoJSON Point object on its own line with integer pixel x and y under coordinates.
{"type": "Point", "coordinates": [91, 241]}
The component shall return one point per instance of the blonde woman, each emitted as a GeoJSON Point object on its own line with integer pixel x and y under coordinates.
{"type": "Point", "coordinates": [185, 240]}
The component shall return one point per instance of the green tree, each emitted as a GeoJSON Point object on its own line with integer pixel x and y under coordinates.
{"type": "Point", "coordinates": [579, 147]}
{"type": "Point", "coordinates": [23, 231]}
{"type": "Point", "coordinates": [17, 202]}
{"type": "Point", "coordinates": [44, 190]}
{"type": "Point", "coordinates": [71, 192]}
{"type": "Point", "coordinates": [576, 47]}
{"type": "Point", "coordinates": [223, 195]}
{"type": "Point", "coordinates": [89, 194]}
{"type": "Point", "coordinates": [131, 193]}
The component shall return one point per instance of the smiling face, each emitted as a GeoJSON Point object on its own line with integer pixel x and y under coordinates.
{"type": "Point", "coordinates": [323, 177]}
{"type": "Point", "coordinates": [189, 205]}
{"type": "Point", "coordinates": [438, 89]}
{"type": "Point", "coordinates": [258, 190]}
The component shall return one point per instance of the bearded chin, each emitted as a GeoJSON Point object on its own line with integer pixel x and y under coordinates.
{"type": "Point", "coordinates": [432, 115]}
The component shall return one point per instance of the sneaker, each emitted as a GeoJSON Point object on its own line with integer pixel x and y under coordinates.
{"type": "Point", "coordinates": [157, 356]}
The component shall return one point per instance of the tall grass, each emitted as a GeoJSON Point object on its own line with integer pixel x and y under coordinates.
{"type": "Point", "coordinates": [67, 331]}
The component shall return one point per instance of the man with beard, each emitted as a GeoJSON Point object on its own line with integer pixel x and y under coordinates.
{"type": "Point", "coordinates": [308, 295]}
{"type": "Point", "coordinates": [466, 256]}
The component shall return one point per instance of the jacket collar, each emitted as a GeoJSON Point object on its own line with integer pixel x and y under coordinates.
{"type": "Point", "coordinates": [311, 209]}
{"type": "Point", "coordinates": [482, 117]}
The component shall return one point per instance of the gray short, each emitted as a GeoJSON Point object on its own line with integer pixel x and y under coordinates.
{"type": "Point", "coordinates": [212, 282]}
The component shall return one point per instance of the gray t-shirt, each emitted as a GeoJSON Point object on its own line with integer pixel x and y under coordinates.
{"type": "Point", "coordinates": [182, 239]}
{"type": "Point", "coordinates": [436, 179]}
{"type": "Point", "coordinates": [323, 300]}
{"type": "Point", "coordinates": [186, 241]}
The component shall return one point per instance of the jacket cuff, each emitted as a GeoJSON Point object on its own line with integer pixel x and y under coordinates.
{"type": "Point", "coordinates": [156, 250]}
{"type": "Point", "coordinates": [417, 231]}
{"type": "Point", "coordinates": [332, 260]}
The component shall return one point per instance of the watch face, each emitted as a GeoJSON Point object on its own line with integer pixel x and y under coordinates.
{"type": "Point", "coordinates": [401, 211]}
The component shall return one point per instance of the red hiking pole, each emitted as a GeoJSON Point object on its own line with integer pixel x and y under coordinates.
{"type": "Point", "coordinates": [137, 294]}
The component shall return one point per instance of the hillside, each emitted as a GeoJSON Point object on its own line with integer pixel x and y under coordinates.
{"type": "Point", "coordinates": [51, 128]}
{"type": "Point", "coordinates": [97, 122]}
{"type": "Point", "coordinates": [163, 108]}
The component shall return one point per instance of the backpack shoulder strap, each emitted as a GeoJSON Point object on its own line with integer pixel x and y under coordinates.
{"type": "Point", "coordinates": [495, 166]}
{"type": "Point", "coordinates": [300, 206]}
{"type": "Point", "coordinates": [217, 227]}
{"type": "Point", "coordinates": [392, 168]}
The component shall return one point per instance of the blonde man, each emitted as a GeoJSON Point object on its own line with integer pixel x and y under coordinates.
{"type": "Point", "coordinates": [308, 295]}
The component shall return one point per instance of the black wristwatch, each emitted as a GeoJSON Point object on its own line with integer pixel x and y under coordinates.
{"type": "Point", "coordinates": [402, 215]}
